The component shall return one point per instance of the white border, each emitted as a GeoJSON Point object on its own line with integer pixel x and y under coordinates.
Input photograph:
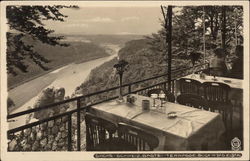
{"type": "Point", "coordinates": [66, 156]}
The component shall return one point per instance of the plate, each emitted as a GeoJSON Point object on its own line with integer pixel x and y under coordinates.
{"type": "Point", "coordinates": [172, 115]}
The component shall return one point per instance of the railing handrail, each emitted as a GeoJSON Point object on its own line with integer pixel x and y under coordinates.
{"type": "Point", "coordinates": [79, 108]}
{"type": "Point", "coordinates": [91, 94]}
{"type": "Point", "coordinates": [53, 117]}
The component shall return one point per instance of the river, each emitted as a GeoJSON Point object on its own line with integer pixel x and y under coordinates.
{"type": "Point", "coordinates": [68, 77]}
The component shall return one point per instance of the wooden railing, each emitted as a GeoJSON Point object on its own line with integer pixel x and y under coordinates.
{"type": "Point", "coordinates": [82, 103]}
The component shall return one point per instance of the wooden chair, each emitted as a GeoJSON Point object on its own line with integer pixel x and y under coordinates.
{"type": "Point", "coordinates": [99, 133]}
{"type": "Point", "coordinates": [189, 86]}
{"type": "Point", "coordinates": [133, 138]}
{"type": "Point", "coordinates": [170, 96]}
{"type": "Point", "coordinates": [191, 100]}
{"type": "Point", "coordinates": [216, 96]}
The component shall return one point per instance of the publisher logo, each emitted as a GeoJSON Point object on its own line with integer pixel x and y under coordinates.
{"type": "Point", "coordinates": [236, 144]}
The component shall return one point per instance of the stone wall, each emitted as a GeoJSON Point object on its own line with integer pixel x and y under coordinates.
{"type": "Point", "coordinates": [52, 135]}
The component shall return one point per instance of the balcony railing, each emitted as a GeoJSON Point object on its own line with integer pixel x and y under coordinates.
{"type": "Point", "coordinates": [41, 135]}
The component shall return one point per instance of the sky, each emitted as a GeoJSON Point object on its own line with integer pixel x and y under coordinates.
{"type": "Point", "coordinates": [109, 20]}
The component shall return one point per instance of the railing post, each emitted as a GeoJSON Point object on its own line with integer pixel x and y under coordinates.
{"type": "Point", "coordinates": [129, 88]}
{"type": "Point", "coordinates": [78, 125]}
{"type": "Point", "coordinates": [169, 41]}
{"type": "Point", "coordinates": [165, 86]}
{"type": "Point", "coordinates": [173, 86]}
{"type": "Point", "coordinates": [69, 132]}
{"type": "Point", "coordinates": [208, 67]}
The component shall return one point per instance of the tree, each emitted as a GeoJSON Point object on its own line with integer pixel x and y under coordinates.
{"type": "Point", "coordinates": [188, 30]}
{"type": "Point", "coordinates": [27, 22]}
{"type": "Point", "coordinates": [10, 103]}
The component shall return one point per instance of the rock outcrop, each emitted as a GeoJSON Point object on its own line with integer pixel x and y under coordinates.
{"type": "Point", "coordinates": [51, 135]}
{"type": "Point", "coordinates": [49, 96]}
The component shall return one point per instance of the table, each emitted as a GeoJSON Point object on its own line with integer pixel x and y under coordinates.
{"type": "Point", "coordinates": [235, 94]}
{"type": "Point", "coordinates": [192, 129]}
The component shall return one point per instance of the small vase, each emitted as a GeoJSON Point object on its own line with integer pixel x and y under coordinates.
{"type": "Point", "coordinates": [120, 99]}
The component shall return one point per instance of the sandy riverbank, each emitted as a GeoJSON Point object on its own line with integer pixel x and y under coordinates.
{"type": "Point", "coordinates": [68, 77]}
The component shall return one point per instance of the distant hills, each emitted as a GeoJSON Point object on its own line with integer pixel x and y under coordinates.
{"type": "Point", "coordinates": [103, 39]}
{"type": "Point", "coordinates": [82, 48]}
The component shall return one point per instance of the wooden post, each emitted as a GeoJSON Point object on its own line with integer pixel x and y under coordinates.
{"type": "Point", "coordinates": [169, 41]}
{"type": "Point", "coordinates": [223, 36]}
{"type": "Point", "coordinates": [204, 34]}
{"type": "Point", "coordinates": [129, 89]}
{"type": "Point", "coordinates": [69, 133]}
{"type": "Point", "coordinates": [236, 38]}
{"type": "Point", "coordinates": [78, 125]}
{"type": "Point", "coordinates": [168, 28]}
{"type": "Point", "coordinates": [235, 27]}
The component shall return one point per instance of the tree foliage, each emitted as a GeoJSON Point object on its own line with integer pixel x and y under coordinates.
{"type": "Point", "coordinates": [10, 103]}
{"type": "Point", "coordinates": [27, 22]}
{"type": "Point", "coordinates": [187, 30]}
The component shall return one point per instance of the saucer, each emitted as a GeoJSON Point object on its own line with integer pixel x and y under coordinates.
{"type": "Point", "coordinates": [172, 115]}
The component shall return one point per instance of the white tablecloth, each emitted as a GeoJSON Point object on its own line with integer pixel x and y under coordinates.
{"type": "Point", "coordinates": [192, 129]}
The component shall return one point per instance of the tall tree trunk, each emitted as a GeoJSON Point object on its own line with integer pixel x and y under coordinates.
{"type": "Point", "coordinates": [212, 26]}
{"type": "Point", "coordinates": [204, 34]}
{"type": "Point", "coordinates": [223, 34]}
{"type": "Point", "coordinates": [235, 32]}
{"type": "Point", "coordinates": [216, 26]}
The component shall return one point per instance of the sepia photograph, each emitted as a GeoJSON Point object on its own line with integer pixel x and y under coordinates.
{"type": "Point", "coordinates": [124, 80]}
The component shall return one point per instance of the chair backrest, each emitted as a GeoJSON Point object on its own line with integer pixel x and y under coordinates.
{"type": "Point", "coordinates": [191, 100]}
{"type": "Point", "coordinates": [170, 96]}
{"type": "Point", "coordinates": [98, 130]}
{"type": "Point", "coordinates": [189, 86]}
{"type": "Point", "coordinates": [216, 95]}
{"type": "Point", "coordinates": [137, 137]}
{"type": "Point", "coordinates": [216, 91]}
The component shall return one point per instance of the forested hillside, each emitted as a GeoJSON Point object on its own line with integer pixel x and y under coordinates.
{"type": "Point", "coordinates": [143, 63]}
{"type": "Point", "coordinates": [58, 56]}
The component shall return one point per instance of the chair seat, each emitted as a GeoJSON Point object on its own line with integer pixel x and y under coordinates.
{"type": "Point", "coordinates": [192, 100]}
{"type": "Point", "coordinates": [98, 130]}
{"type": "Point", "coordinates": [105, 146]}
{"type": "Point", "coordinates": [121, 145]}
{"type": "Point", "coordinates": [215, 105]}
{"type": "Point", "coordinates": [115, 145]}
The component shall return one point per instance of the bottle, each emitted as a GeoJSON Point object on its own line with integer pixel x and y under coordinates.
{"type": "Point", "coordinates": [162, 96]}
